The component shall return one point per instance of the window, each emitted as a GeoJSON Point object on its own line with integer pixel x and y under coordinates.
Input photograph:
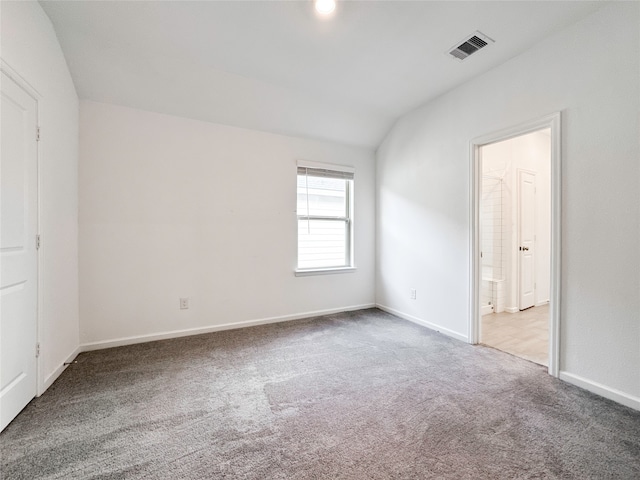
{"type": "Point", "coordinates": [325, 220]}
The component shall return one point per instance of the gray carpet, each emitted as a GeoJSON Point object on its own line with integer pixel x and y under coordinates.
{"type": "Point", "coordinates": [349, 396]}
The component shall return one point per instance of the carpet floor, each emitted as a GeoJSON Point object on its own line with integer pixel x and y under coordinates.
{"type": "Point", "coordinates": [357, 395]}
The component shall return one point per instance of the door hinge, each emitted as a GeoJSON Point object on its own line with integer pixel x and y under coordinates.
{"type": "Point", "coordinates": [37, 134]}
{"type": "Point", "coordinates": [37, 349]}
{"type": "Point", "coordinates": [38, 242]}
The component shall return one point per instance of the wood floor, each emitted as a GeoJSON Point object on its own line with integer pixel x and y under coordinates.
{"type": "Point", "coordinates": [524, 334]}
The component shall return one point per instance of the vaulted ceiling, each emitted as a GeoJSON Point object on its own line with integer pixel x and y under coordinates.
{"type": "Point", "coordinates": [276, 66]}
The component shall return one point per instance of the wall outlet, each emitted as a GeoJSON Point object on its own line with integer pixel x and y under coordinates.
{"type": "Point", "coordinates": [412, 293]}
{"type": "Point", "coordinates": [184, 303]}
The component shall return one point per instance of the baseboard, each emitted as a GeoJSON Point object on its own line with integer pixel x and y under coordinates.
{"type": "Point", "coordinates": [119, 342]}
{"type": "Point", "coordinates": [424, 323]}
{"type": "Point", "coordinates": [602, 390]}
{"type": "Point", "coordinates": [516, 309]}
{"type": "Point", "coordinates": [486, 310]}
{"type": "Point", "coordinates": [53, 376]}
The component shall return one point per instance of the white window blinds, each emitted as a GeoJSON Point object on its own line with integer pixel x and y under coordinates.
{"type": "Point", "coordinates": [325, 173]}
{"type": "Point", "coordinates": [324, 218]}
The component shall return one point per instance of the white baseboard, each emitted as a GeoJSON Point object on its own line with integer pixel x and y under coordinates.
{"type": "Point", "coordinates": [516, 309]}
{"type": "Point", "coordinates": [424, 323]}
{"type": "Point", "coordinates": [602, 390]}
{"type": "Point", "coordinates": [486, 310]}
{"type": "Point", "coordinates": [53, 376]}
{"type": "Point", "coordinates": [119, 342]}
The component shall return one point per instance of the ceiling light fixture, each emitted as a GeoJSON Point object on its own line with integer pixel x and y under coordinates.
{"type": "Point", "coordinates": [325, 7]}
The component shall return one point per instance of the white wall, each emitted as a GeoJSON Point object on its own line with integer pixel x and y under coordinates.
{"type": "Point", "coordinates": [171, 207]}
{"type": "Point", "coordinates": [589, 72]}
{"type": "Point", "coordinates": [493, 232]}
{"type": "Point", "coordinates": [30, 47]}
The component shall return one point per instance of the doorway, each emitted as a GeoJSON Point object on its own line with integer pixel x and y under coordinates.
{"type": "Point", "coordinates": [515, 241]}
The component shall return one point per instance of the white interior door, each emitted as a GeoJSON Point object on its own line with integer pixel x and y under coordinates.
{"type": "Point", "coordinates": [526, 234]}
{"type": "Point", "coordinates": [18, 257]}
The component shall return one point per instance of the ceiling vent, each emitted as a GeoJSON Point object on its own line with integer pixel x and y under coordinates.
{"type": "Point", "coordinates": [470, 45]}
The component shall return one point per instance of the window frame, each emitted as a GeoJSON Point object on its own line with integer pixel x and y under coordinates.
{"type": "Point", "coordinates": [348, 174]}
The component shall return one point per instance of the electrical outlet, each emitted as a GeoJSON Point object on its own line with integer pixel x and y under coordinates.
{"type": "Point", "coordinates": [184, 303]}
{"type": "Point", "coordinates": [412, 293]}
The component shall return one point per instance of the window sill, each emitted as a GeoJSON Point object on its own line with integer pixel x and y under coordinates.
{"type": "Point", "coordinates": [323, 271]}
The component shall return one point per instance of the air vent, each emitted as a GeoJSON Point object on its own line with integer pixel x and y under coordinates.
{"type": "Point", "coordinates": [470, 45]}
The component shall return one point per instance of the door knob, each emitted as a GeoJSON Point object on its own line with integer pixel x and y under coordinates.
{"type": "Point", "coordinates": [524, 249]}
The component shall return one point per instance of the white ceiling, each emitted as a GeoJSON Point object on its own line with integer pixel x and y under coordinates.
{"type": "Point", "coordinates": [274, 66]}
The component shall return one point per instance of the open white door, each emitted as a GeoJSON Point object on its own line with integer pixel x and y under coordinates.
{"type": "Point", "coordinates": [526, 227]}
{"type": "Point", "coordinates": [18, 256]}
